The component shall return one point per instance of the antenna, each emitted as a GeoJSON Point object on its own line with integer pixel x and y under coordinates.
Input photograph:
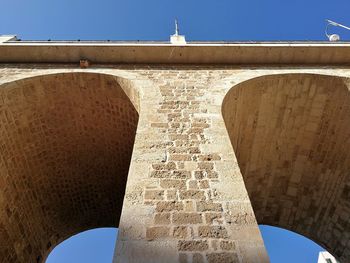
{"type": "Point", "coordinates": [177, 39]}
{"type": "Point", "coordinates": [337, 24]}
{"type": "Point", "coordinates": [334, 37]}
{"type": "Point", "coordinates": [176, 28]}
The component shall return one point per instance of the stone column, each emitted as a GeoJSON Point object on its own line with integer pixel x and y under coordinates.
{"type": "Point", "coordinates": [185, 199]}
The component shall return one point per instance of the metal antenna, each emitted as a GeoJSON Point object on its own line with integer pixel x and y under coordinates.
{"type": "Point", "coordinates": [176, 28]}
{"type": "Point", "coordinates": [177, 39]}
{"type": "Point", "coordinates": [337, 24]}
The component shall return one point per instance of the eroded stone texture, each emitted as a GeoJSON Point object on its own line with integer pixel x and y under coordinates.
{"type": "Point", "coordinates": [65, 147]}
{"type": "Point", "coordinates": [186, 202]}
{"type": "Point", "coordinates": [185, 198]}
{"type": "Point", "coordinates": [291, 135]}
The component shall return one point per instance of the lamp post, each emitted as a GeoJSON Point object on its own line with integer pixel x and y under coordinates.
{"type": "Point", "coordinates": [334, 37]}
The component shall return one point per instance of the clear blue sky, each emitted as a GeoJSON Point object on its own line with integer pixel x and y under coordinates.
{"type": "Point", "coordinates": [153, 19]}
{"type": "Point", "coordinates": [284, 246]}
{"type": "Point", "coordinates": [92, 246]}
{"type": "Point", "coordinates": [97, 246]}
{"type": "Point", "coordinates": [240, 20]}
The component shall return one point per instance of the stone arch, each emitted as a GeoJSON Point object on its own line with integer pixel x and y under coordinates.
{"type": "Point", "coordinates": [291, 137]}
{"type": "Point", "coordinates": [65, 149]}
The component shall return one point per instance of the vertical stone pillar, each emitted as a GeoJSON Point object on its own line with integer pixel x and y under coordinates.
{"type": "Point", "coordinates": [185, 198]}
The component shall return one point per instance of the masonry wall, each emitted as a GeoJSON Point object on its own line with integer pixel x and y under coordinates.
{"type": "Point", "coordinates": [185, 198]}
{"type": "Point", "coordinates": [185, 185]}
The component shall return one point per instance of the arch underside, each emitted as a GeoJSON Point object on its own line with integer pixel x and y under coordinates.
{"type": "Point", "coordinates": [65, 147]}
{"type": "Point", "coordinates": [291, 137]}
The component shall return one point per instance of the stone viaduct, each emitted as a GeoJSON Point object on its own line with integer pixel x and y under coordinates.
{"type": "Point", "coordinates": [184, 148]}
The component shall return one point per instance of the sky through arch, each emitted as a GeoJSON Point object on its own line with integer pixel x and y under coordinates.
{"type": "Point", "coordinates": [97, 245]}
{"type": "Point", "coordinates": [92, 246]}
{"type": "Point", "coordinates": [288, 247]}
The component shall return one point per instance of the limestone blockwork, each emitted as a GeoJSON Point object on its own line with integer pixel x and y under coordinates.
{"type": "Point", "coordinates": [291, 136]}
{"type": "Point", "coordinates": [66, 142]}
{"type": "Point", "coordinates": [185, 160]}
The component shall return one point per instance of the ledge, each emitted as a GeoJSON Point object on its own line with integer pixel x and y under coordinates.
{"type": "Point", "coordinates": [237, 53]}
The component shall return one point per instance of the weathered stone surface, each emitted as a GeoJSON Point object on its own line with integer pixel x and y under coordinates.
{"type": "Point", "coordinates": [66, 143]}
{"type": "Point", "coordinates": [173, 183]}
{"type": "Point", "coordinates": [222, 257]}
{"type": "Point", "coordinates": [198, 258]}
{"type": "Point", "coordinates": [157, 232]}
{"type": "Point", "coordinates": [227, 245]}
{"type": "Point", "coordinates": [180, 232]}
{"type": "Point", "coordinates": [212, 232]}
{"type": "Point", "coordinates": [65, 147]}
{"type": "Point", "coordinates": [187, 218]}
{"type": "Point", "coordinates": [294, 153]}
{"type": "Point", "coordinates": [154, 194]}
{"type": "Point", "coordinates": [192, 194]}
{"type": "Point", "coordinates": [162, 219]}
{"type": "Point", "coordinates": [168, 206]}
{"type": "Point", "coordinates": [205, 206]}
{"type": "Point", "coordinates": [193, 245]}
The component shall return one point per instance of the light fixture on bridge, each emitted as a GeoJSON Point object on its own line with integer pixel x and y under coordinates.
{"type": "Point", "coordinates": [334, 37]}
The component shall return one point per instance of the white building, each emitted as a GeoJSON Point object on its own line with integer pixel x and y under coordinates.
{"type": "Point", "coordinates": [325, 257]}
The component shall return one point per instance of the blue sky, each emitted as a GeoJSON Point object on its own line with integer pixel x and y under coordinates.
{"type": "Point", "coordinates": [240, 20]}
{"type": "Point", "coordinates": [97, 246]}
{"type": "Point", "coordinates": [92, 246]}
{"type": "Point", "coordinates": [153, 19]}
{"type": "Point", "coordinates": [284, 246]}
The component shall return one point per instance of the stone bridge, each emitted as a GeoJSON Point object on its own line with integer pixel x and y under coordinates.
{"type": "Point", "coordinates": [185, 149]}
